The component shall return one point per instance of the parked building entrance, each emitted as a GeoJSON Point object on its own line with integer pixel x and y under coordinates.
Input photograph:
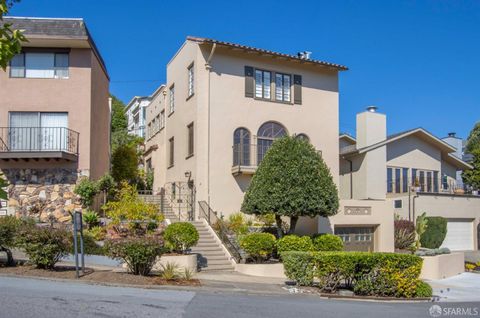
{"type": "Point", "coordinates": [356, 238]}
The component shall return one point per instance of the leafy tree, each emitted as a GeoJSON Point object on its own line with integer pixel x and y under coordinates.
{"type": "Point", "coordinates": [3, 184]}
{"type": "Point", "coordinates": [472, 177]}
{"type": "Point", "coordinates": [292, 180]}
{"type": "Point", "coordinates": [125, 164]}
{"type": "Point", "coordinates": [8, 231]}
{"type": "Point", "coordinates": [86, 189]}
{"type": "Point", "coordinates": [119, 118]}
{"type": "Point", "coordinates": [10, 39]}
{"type": "Point", "coordinates": [106, 184]}
{"type": "Point", "coordinates": [473, 140]}
{"type": "Point", "coordinates": [119, 131]}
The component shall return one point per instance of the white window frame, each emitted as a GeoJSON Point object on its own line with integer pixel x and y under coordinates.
{"type": "Point", "coordinates": [265, 88]}
{"type": "Point", "coordinates": [171, 101]}
{"type": "Point", "coordinates": [285, 93]}
{"type": "Point", "coordinates": [191, 80]}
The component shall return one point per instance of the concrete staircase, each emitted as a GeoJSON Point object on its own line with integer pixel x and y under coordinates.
{"type": "Point", "coordinates": [211, 255]}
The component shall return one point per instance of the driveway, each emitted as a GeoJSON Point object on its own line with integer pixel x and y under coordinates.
{"type": "Point", "coordinates": [460, 288]}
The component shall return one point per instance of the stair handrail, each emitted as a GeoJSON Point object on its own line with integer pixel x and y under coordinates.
{"type": "Point", "coordinates": [220, 229]}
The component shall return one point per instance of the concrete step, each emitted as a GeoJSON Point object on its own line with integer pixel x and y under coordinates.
{"type": "Point", "coordinates": [217, 268]}
{"type": "Point", "coordinates": [207, 244]}
{"type": "Point", "coordinates": [211, 262]}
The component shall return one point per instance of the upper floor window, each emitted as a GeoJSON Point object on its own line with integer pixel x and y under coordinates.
{"type": "Point", "coordinates": [171, 101]}
{"type": "Point", "coordinates": [162, 119]}
{"type": "Point", "coordinates": [282, 87]}
{"type": "Point", "coordinates": [40, 65]}
{"type": "Point", "coordinates": [191, 140]}
{"type": "Point", "coordinates": [171, 154]}
{"type": "Point", "coordinates": [262, 84]}
{"type": "Point", "coordinates": [190, 80]}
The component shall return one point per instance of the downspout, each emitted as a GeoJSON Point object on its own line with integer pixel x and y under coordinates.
{"type": "Point", "coordinates": [208, 67]}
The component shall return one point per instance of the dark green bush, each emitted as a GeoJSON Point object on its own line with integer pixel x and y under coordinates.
{"type": "Point", "coordinates": [435, 233]}
{"type": "Point", "coordinates": [138, 253]}
{"type": "Point", "coordinates": [380, 274]}
{"type": "Point", "coordinates": [328, 242]}
{"type": "Point", "coordinates": [45, 246]}
{"type": "Point", "coordinates": [294, 243]}
{"type": "Point", "coordinates": [258, 246]}
{"type": "Point", "coordinates": [423, 290]}
{"type": "Point", "coordinates": [180, 236]}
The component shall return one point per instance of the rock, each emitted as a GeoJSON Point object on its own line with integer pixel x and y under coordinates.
{"type": "Point", "coordinates": [56, 188]}
{"type": "Point", "coordinates": [54, 196]}
{"type": "Point", "coordinates": [42, 195]}
{"type": "Point", "coordinates": [30, 189]}
{"type": "Point", "coordinates": [68, 195]}
{"type": "Point", "coordinates": [12, 202]}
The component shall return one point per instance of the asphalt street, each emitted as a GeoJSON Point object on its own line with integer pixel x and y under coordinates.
{"type": "Point", "coordinates": [25, 298]}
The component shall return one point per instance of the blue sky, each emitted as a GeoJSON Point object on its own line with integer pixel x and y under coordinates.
{"type": "Point", "coordinates": [418, 61]}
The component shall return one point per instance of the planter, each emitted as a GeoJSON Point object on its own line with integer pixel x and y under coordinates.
{"type": "Point", "coordinates": [442, 266]}
{"type": "Point", "coordinates": [263, 270]}
{"type": "Point", "coordinates": [183, 261]}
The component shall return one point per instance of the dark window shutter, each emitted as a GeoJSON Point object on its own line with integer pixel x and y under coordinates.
{"type": "Point", "coordinates": [297, 89]}
{"type": "Point", "coordinates": [249, 82]}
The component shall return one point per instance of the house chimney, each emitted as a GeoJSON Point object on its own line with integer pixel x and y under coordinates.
{"type": "Point", "coordinates": [452, 134]}
{"type": "Point", "coordinates": [371, 127]}
{"type": "Point", "coordinates": [305, 55]}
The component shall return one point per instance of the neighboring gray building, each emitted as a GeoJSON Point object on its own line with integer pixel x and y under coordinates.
{"type": "Point", "coordinates": [136, 111]}
{"type": "Point", "coordinates": [459, 144]}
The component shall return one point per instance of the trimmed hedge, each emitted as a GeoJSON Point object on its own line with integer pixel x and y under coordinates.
{"type": "Point", "coordinates": [258, 246]}
{"type": "Point", "coordinates": [379, 274]}
{"type": "Point", "coordinates": [328, 243]}
{"type": "Point", "coordinates": [435, 233]}
{"type": "Point", "coordinates": [294, 243]}
{"type": "Point", "coordinates": [180, 236]}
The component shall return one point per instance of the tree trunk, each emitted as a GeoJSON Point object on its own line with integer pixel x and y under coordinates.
{"type": "Point", "coordinates": [293, 224]}
{"type": "Point", "coordinates": [278, 220]}
{"type": "Point", "coordinates": [10, 261]}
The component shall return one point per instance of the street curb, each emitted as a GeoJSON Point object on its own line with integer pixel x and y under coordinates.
{"type": "Point", "coordinates": [153, 287]}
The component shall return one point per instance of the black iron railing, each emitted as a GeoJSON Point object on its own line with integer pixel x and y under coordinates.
{"type": "Point", "coordinates": [36, 139]}
{"type": "Point", "coordinates": [220, 229]}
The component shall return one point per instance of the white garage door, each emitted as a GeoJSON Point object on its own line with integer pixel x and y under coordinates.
{"type": "Point", "coordinates": [459, 235]}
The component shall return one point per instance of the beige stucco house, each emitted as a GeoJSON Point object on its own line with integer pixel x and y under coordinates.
{"type": "Point", "coordinates": [220, 110]}
{"type": "Point", "coordinates": [54, 115]}
{"type": "Point", "coordinates": [413, 171]}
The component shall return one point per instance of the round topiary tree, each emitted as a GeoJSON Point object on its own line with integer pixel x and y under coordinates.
{"type": "Point", "coordinates": [180, 236]}
{"type": "Point", "coordinates": [292, 180]}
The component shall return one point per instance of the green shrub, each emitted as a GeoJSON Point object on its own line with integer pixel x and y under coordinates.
{"type": "Point", "coordinates": [180, 236]}
{"type": "Point", "coordinates": [170, 271]}
{"type": "Point", "coordinates": [8, 230]}
{"type": "Point", "coordinates": [328, 242]}
{"type": "Point", "coordinates": [138, 253]}
{"type": "Point", "coordinates": [86, 189]}
{"type": "Point", "coordinates": [90, 246]}
{"type": "Point", "coordinates": [97, 232]}
{"type": "Point", "coordinates": [379, 274]}
{"type": "Point", "coordinates": [91, 219]}
{"type": "Point", "coordinates": [294, 243]}
{"type": "Point", "coordinates": [298, 266]}
{"type": "Point", "coordinates": [45, 246]}
{"type": "Point", "coordinates": [423, 290]}
{"type": "Point", "coordinates": [259, 246]}
{"type": "Point", "coordinates": [237, 223]}
{"type": "Point", "coordinates": [435, 232]}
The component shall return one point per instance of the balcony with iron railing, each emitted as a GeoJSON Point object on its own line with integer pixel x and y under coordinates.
{"type": "Point", "coordinates": [247, 157]}
{"type": "Point", "coordinates": [38, 143]}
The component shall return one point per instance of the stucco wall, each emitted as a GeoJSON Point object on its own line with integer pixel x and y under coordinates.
{"type": "Point", "coordinates": [381, 218]}
{"type": "Point", "coordinates": [100, 121]}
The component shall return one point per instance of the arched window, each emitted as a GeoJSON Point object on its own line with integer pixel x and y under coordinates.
{"type": "Point", "coordinates": [241, 147]}
{"type": "Point", "coordinates": [303, 137]}
{"type": "Point", "coordinates": [267, 133]}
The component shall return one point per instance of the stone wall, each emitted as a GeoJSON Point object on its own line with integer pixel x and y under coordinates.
{"type": "Point", "coordinates": [43, 193]}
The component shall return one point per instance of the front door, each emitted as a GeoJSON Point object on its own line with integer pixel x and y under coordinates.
{"type": "Point", "coordinates": [356, 238]}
